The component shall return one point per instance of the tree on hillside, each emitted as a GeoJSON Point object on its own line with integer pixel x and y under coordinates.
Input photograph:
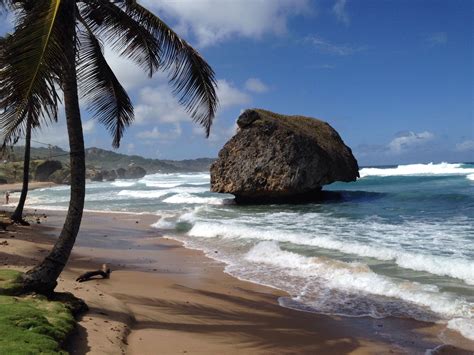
{"type": "Point", "coordinates": [58, 44]}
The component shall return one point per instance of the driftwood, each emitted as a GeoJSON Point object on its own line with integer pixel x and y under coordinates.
{"type": "Point", "coordinates": [104, 272]}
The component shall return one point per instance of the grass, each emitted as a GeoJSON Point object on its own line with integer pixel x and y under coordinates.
{"type": "Point", "coordinates": [31, 324]}
{"type": "Point", "coordinates": [9, 282]}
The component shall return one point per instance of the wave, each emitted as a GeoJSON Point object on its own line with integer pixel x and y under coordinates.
{"type": "Point", "coordinates": [456, 267]}
{"type": "Point", "coordinates": [356, 278]}
{"type": "Point", "coordinates": [143, 193]}
{"type": "Point", "coordinates": [418, 169]}
{"type": "Point", "coordinates": [470, 177]}
{"type": "Point", "coordinates": [187, 198]}
{"type": "Point", "coordinates": [123, 183]}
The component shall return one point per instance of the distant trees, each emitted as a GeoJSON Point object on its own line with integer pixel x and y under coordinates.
{"type": "Point", "coordinates": [58, 44]}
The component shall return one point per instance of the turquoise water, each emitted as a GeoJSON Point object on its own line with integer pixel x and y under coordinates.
{"type": "Point", "coordinates": [399, 241]}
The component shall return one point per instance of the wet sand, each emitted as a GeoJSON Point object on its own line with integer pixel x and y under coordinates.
{"type": "Point", "coordinates": [165, 299]}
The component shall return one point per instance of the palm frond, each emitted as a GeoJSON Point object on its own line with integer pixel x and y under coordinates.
{"type": "Point", "coordinates": [107, 99]}
{"type": "Point", "coordinates": [123, 32]}
{"type": "Point", "coordinates": [192, 79]}
{"type": "Point", "coordinates": [29, 67]}
{"type": "Point", "coordinates": [154, 45]}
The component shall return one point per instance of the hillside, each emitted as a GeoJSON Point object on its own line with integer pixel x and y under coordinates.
{"type": "Point", "coordinates": [96, 158]}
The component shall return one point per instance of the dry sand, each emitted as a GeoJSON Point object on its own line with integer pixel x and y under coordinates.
{"type": "Point", "coordinates": [165, 299]}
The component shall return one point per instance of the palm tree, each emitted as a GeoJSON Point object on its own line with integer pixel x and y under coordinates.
{"type": "Point", "coordinates": [58, 44]}
{"type": "Point", "coordinates": [17, 216]}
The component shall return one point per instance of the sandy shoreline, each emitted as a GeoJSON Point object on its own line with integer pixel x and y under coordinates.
{"type": "Point", "coordinates": [164, 298]}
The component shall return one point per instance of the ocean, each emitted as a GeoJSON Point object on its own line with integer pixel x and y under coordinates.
{"type": "Point", "coordinates": [399, 242]}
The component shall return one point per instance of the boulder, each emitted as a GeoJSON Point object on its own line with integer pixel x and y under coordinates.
{"type": "Point", "coordinates": [46, 169]}
{"type": "Point", "coordinates": [109, 175]}
{"type": "Point", "coordinates": [279, 158]}
{"type": "Point", "coordinates": [121, 173]}
{"type": "Point", "coordinates": [61, 177]}
{"type": "Point", "coordinates": [96, 175]}
{"type": "Point", "coordinates": [135, 172]}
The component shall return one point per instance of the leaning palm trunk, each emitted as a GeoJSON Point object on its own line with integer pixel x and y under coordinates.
{"type": "Point", "coordinates": [43, 277]}
{"type": "Point", "coordinates": [59, 43]}
{"type": "Point", "coordinates": [18, 214]}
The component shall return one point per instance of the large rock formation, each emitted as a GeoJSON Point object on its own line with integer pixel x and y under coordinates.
{"type": "Point", "coordinates": [135, 172]}
{"type": "Point", "coordinates": [46, 169]}
{"type": "Point", "coordinates": [278, 158]}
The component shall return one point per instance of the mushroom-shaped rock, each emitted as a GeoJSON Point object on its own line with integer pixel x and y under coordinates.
{"type": "Point", "coordinates": [280, 158]}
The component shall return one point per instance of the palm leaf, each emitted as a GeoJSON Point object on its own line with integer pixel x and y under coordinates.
{"type": "Point", "coordinates": [191, 78]}
{"type": "Point", "coordinates": [100, 87]}
{"type": "Point", "coordinates": [29, 67]}
{"type": "Point", "coordinates": [123, 32]}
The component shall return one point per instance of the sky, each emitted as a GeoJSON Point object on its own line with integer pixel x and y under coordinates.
{"type": "Point", "coordinates": [393, 77]}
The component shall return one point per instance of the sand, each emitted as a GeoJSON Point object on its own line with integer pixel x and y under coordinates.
{"type": "Point", "coordinates": [165, 299]}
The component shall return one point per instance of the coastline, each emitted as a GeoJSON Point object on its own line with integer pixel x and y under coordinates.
{"type": "Point", "coordinates": [32, 185]}
{"type": "Point", "coordinates": [164, 296]}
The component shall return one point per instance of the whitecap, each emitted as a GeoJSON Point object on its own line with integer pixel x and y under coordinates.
{"type": "Point", "coordinates": [143, 193]}
{"type": "Point", "coordinates": [187, 198]}
{"type": "Point", "coordinates": [119, 183]}
{"type": "Point", "coordinates": [417, 169]}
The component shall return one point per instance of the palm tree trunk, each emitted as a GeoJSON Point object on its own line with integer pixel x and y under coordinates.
{"type": "Point", "coordinates": [18, 214]}
{"type": "Point", "coordinates": [42, 278]}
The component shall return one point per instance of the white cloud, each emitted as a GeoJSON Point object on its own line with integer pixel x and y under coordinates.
{"type": "Point", "coordinates": [437, 39]}
{"type": "Point", "coordinates": [88, 126]}
{"type": "Point", "coordinates": [214, 21]}
{"type": "Point", "coordinates": [157, 104]}
{"type": "Point", "coordinates": [465, 146]}
{"type": "Point", "coordinates": [229, 95]}
{"type": "Point", "coordinates": [331, 48]}
{"type": "Point", "coordinates": [339, 10]}
{"type": "Point", "coordinates": [130, 148]}
{"type": "Point", "coordinates": [409, 140]}
{"type": "Point", "coordinates": [256, 85]}
{"type": "Point", "coordinates": [128, 73]}
{"type": "Point", "coordinates": [156, 133]}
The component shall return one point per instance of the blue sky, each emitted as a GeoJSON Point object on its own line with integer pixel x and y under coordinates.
{"type": "Point", "coordinates": [395, 78]}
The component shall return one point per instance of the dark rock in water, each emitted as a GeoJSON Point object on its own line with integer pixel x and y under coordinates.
{"type": "Point", "coordinates": [121, 173]}
{"type": "Point", "coordinates": [135, 172]}
{"type": "Point", "coordinates": [61, 177]}
{"type": "Point", "coordinates": [109, 175]}
{"type": "Point", "coordinates": [279, 158]}
{"type": "Point", "coordinates": [46, 169]}
{"type": "Point", "coordinates": [97, 176]}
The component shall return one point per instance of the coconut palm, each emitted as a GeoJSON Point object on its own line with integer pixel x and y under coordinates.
{"type": "Point", "coordinates": [17, 215]}
{"type": "Point", "coordinates": [58, 44]}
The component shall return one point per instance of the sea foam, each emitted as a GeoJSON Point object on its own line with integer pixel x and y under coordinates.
{"type": "Point", "coordinates": [187, 198]}
{"type": "Point", "coordinates": [355, 278]}
{"type": "Point", "coordinates": [457, 267]}
{"type": "Point", "coordinates": [417, 169]}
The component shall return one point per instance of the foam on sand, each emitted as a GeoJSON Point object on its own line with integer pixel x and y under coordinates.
{"type": "Point", "coordinates": [357, 278]}
{"type": "Point", "coordinates": [456, 267]}
{"type": "Point", "coordinates": [418, 169]}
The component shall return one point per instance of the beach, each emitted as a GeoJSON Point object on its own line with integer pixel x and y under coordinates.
{"type": "Point", "coordinates": [164, 298]}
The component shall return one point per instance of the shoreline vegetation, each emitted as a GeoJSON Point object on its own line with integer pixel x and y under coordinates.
{"type": "Point", "coordinates": [164, 296]}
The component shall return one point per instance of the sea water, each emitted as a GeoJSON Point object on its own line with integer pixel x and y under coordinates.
{"type": "Point", "coordinates": [399, 242]}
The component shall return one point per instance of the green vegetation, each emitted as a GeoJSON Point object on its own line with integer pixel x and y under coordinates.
{"type": "Point", "coordinates": [31, 324]}
{"type": "Point", "coordinates": [11, 166]}
{"type": "Point", "coordinates": [10, 282]}
{"type": "Point", "coordinates": [319, 130]}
